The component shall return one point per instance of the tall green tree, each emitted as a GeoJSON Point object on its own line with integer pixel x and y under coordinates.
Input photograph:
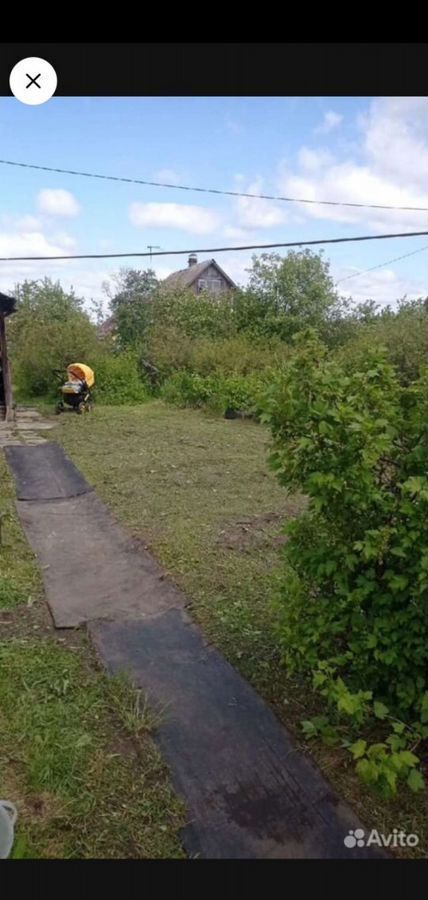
{"type": "Point", "coordinates": [294, 291]}
{"type": "Point", "coordinates": [129, 299]}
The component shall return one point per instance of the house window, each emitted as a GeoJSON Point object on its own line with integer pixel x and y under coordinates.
{"type": "Point", "coordinates": [210, 284]}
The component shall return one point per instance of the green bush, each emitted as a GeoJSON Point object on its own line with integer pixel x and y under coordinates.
{"type": "Point", "coordinates": [49, 331]}
{"type": "Point", "coordinates": [355, 597]}
{"type": "Point", "coordinates": [403, 334]}
{"type": "Point", "coordinates": [118, 379]}
{"type": "Point", "coordinates": [171, 350]}
{"type": "Point", "coordinates": [195, 315]}
{"type": "Point", "coordinates": [215, 392]}
{"type": "Point", "coordinates": [237, 355]}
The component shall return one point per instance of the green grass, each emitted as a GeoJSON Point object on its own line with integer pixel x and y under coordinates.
{"type": "Point", "coordinates": [87, 782]}
{"type": "Point", "coordinates": [20, 580]}
{"type": "Point", "coordinates": [76, 757]}
{"type": "Point", "coordinates": [198, 492]}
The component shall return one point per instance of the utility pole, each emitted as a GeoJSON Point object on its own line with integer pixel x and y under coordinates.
{"type": "Point", "coordinates": [152, 247]}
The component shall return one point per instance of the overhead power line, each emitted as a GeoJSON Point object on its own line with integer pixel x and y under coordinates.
{"type": "Point", "coordinates": [381, 265]}
{"type": "Point", "coordinates": [203, 190]}
{"type": "Point", "coordinates": [339, 240]}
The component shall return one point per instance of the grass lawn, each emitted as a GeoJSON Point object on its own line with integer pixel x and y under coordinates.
{"type": "Point", "coordinates": [198, 492]}
{"type": "Point", "coordinates": [75, 757]}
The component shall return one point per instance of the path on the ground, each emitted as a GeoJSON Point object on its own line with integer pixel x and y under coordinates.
{"type": "Point", "coordinates": [249, 793]}
{"type": "Point", "coordinates": [24, 429]}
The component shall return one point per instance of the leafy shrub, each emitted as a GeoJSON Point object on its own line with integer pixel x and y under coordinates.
{"type": "Point", "coordinates": [118, 379]}
{"type": "Point", "coordinates": [215, 392]}
{"type": "Point", "coordinates": [354, 608]}
{"type": "Point", "coordinates": [404, 336]}
{"type": "Point", "coordinates": [169, 349]}
{"type": "Point", "coordinates": [195, 315]}
{"type": "Point", "coordinates": [236, 355]}
{"type": "Point", "coordinates": [49, 330]}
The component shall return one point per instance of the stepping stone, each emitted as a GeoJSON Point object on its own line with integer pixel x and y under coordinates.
{"type": "Point", "coordinates": [9, 441]}
{"type": "Point", "coordinates": [33, 425]}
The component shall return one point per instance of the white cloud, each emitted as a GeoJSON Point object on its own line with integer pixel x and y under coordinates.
{"type": "Point", "coordinates": [385, 286]}
{"type": "Point", "coordinates": [58, 202]}
{"type": "Point", "coordinates": [396, 139]}
{"type": "Point", "coordinates": [390, 170]}
{"type": "Point", "coordinates": [193, 219]}
{"type": "Point", "coordinates": [314, 160]}
{"type": "Point", "coordinates": [167, 176]}
{"type": "Point", "coordinates": [25, 242]}
{"type": "Point", "coordinates": [232, 231]}
{"type": "Point", "coordinates": [236, 265]}
{"type": "Point", "coordinates": [331, 120]}
{"type": "Point", "coordinates": [163, 271]}
{"type": "Point", "coordinates": [29, 243]}
{"type": "Point", "coordinates": [253, 214]}
{"type": "Point", "coordinates": [28, 223]}
{"type": "Point", "coordinates": [67, 241]}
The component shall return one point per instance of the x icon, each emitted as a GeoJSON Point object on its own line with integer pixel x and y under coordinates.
{"type": "Point", "coordinates": [33, 81]}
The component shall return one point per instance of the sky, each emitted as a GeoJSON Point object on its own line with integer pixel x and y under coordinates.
{"type": "Point", "coordinates": [364, 150]}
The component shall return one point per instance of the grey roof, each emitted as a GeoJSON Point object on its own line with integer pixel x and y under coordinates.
{"type": "Point", "coordinates": [186, 277]}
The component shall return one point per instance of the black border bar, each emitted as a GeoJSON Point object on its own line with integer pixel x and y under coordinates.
{"type": "Point", "coordinates": [227, 69]}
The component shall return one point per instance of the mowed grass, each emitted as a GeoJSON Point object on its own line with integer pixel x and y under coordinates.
{"type": "Point", "coordinates": [20, 580]}
{"type": "Point", "coordinates": [76, 757]}
{"type": "Point", "coordinates": [197, 490]}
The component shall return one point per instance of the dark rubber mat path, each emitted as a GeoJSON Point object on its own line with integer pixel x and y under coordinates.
{"type": "Point", "coordinates": [45, 473]}
{"type": "Point", "coordinates": [91, 567]}
{"type": "Point", "coordinates": [249, 793]}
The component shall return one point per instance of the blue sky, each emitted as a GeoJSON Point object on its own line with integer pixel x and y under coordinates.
{"type": "Point", "coordinates": [371, 150]}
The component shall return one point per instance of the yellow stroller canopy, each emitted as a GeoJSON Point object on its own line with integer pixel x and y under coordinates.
{"type": "Point", "coordinates": [79, 370]}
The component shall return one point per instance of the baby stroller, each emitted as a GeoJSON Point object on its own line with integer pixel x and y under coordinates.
{"type": "Point", "coordinates": [76, 392]}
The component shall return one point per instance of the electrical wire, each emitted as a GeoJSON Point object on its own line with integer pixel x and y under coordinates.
{"type": "Point", "coordinates": [203, 190]}
{"type": "Point", "coordinates": [340, 240]}
{"type": "Point", "coordinates": [381, 265]}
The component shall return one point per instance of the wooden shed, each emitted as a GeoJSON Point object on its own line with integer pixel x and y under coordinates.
{"type": "Point", "coordinates": [7, 307]}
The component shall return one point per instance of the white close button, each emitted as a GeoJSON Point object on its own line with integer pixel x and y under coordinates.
{"type": "Point", "coordinates": [33, 81]}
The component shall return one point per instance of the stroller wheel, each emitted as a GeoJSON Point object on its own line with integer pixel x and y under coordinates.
{"type": "Point", "coordinates": [81, 408]}
{"type": "Point", "coordinates": [59, 408]}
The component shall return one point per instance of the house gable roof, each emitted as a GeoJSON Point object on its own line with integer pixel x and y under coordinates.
{"type": "Point", "coordinates": [186, 277]}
